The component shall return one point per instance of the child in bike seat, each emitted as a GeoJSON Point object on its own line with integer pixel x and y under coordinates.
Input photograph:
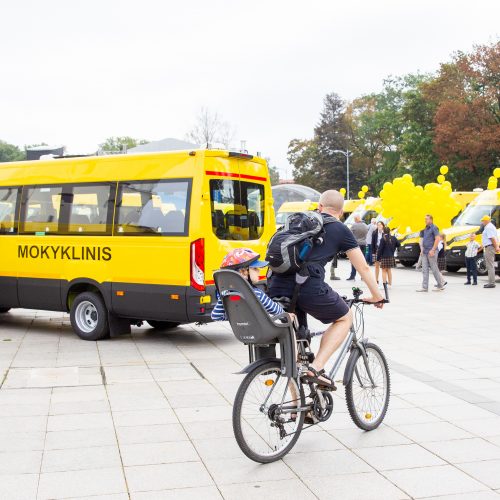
{"type": "Point", "coordinates": [247, 263]}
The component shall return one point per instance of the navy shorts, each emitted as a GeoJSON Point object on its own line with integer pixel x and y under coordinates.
{"type": "Point", "coordinates": [323, 303]}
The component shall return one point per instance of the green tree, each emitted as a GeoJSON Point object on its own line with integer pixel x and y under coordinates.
{"type": "Point", "coordinates": [274, 174]}
{"type": "Point", "coordinates": [113, 144]}
{"type": "Point", "coordinates": [9, 152]}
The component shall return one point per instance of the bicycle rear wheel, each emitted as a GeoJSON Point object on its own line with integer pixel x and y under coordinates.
{"type": "Point", "coordinates": [263, 425]}
{"type": "Point", "coordinates": [367, 403]}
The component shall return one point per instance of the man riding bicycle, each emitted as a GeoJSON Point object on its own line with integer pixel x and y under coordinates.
{"type": "Point", "coordinates": [316, 297]}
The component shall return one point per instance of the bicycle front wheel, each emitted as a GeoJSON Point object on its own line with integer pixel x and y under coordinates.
{"type": "Point", "coordinates": [264, 423]}
{"type": "Point", "coordinates": [368, 401]}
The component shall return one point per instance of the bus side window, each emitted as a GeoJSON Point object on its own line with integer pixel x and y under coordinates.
{"type": "Point", "coordinates": [40, 210]}
{"type": "Point", "coordinates": [153, 207]}
{"type": "Point", "coordinates": [9, 197]}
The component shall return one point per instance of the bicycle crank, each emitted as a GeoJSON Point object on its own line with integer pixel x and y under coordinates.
{"type": "Point", "coordinates": [322, 406]}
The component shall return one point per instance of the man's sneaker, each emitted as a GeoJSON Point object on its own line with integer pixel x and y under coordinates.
{"type": "Point", "coordinates": [468, 283]}
{"type": "Point", "coordinates": [422, 290]}
{"type": "Point", "coordinates": [489, 285]}
{"type": "Point", "coordinates": [438, 289]}
{"type": "Point", "coordinates": [475, 283]}
{"type": "Point", "coordinates": [349, 279]}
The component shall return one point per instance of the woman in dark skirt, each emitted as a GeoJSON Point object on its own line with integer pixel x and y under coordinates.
{"type": "Point", "coordinates": [441, 248]}
{"type": "Point", "coordinates": [385, 255]}
{"type": "Point", "coordinates": [376, 239]}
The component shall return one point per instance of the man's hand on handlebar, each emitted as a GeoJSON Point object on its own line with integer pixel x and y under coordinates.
{"type": "Point", "coordinates": [377, 301]}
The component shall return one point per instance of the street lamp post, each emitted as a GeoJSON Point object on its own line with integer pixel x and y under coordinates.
{"type": "Point", "coordinates": [347, 154]}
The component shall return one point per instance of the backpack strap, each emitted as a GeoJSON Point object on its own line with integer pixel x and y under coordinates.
{"type": "Point", "coordinates": [300, 278]}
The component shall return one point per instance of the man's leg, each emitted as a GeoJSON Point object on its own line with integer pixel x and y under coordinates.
{"type": "Point", "coordinates": [353, 273]}
{"type": "Point", "coordinates": [332, 339]}
{"type": "Point", "coordinates": [473, 266]}
{"type": "Point", "coordinates": [489, 257]}
{"type": "Point", "coordinates": [468, 265]}
{"type": "Point", "coordinates": [435, 270]}
{"type": "Point", "coordinates": [425, 271]}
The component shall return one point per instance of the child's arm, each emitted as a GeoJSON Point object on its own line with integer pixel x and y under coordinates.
{"type": "Point", "coordinates": [270, 306]}
{"type": "Point", "coordinates": [218, 312]}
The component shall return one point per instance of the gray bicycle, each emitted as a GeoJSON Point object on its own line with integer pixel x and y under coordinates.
{"type": "Point", "coordinates": [275, 402]}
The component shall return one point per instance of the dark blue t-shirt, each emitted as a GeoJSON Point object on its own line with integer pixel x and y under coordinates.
{"type": "Point", "coordinates": [338, 238]}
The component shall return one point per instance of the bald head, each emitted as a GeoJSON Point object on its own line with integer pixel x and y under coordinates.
{"type": "Point", "coordinates": [331, 201]}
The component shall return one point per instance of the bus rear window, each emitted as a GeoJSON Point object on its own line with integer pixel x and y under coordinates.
{"type": "Point", "coordinates": [8, 210]}
{"type": "Point", "coordinates": [237, 209]}
{"type": "Point", "coordinates": [153, 208]}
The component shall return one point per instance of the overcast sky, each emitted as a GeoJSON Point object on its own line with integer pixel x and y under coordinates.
{"type": "Point", "coordinates": [76, 72]}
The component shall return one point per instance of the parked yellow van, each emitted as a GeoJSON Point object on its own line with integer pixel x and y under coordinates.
{"type": "Point", "coordinates": [367, 210]}
{"type": "Point", "coordinates": [119, 239]}
{"type": "Point", "coordinates": [409, 251]}
{"type": "Point", "coordinates": [486, 203]}
{"type": "Point", "coordinates": [350, 206]}
{"type": "Point", "coordinates": [290, 207]}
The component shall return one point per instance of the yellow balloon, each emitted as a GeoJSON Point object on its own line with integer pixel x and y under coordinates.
{"type": "Point", "coordinates": [342, 191]}
{"type": "Point", "coordinates": [408, 177]}
{"type": "Point", "coordinates": [496, 172]}
{"type": "Point", "coordinates": [361, 195]}
{"type": "Point", "coordinates": [447, 184]}
{"type": "Point", "coordinates": [492, 179]}
{"type": "Point", "coordinates": [444, 169]}
{"type": "Point", "coordinates": [440, 179]}
{"type": "Point", "coordinates": [364, 189]}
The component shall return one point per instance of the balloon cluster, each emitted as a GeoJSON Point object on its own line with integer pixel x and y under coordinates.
{"type": "Point", "coordinates": [362, 193]}
{"type": "Point", "coordinates": [493, 180]}
{"type": "Point", "coordinates": [407, 204]}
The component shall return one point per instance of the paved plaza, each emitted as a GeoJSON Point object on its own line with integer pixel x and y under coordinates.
{"type": "Point", "coordinates": [148, 416]}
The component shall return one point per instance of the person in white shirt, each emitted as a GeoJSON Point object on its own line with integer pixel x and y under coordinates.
{"type": "Point", "coordinates": [490, 245]}
{"type": "Point", "coordinates": [471, 259]}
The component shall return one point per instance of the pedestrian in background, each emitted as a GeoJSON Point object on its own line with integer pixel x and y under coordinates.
{"type": "Point", "coordinates": [369, 252]}
{"type": "Point", "coordinates": [471, 259]}
{"type": "Point", "coordinates": [376, 238]}
{"type": "Point", "coordinates": [385, 254]}
{"type": "Point", "coordinates": [430, 241]}
{"type": "Point", "coordinates": [359, 230]}
{"type": "Point", "coordinates": [441, 253]}
{"type": "Point", "coordinates": [490, 246]}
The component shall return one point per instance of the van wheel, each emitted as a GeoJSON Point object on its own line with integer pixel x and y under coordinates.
{"type": "Point", "coordinates": [4, 309]}
{"type": "Point", "coordinates": [407, 263]}
{"type": "Point", "coordinates": [162, 325]}
{"type": "Point", "coordinates": [481, 266]}
{"type": "Point", "coordinates": [452, 269]}
{"type": "Point", "coordinates": [89, 316]}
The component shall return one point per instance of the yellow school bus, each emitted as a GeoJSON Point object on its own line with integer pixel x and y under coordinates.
{"type": "Point", "coordinates": [116, 240]}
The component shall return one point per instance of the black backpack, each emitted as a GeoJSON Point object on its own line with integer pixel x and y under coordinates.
{"type": "Point", "coordinates": [291, 245]}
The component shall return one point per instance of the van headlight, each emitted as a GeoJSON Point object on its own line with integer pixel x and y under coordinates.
{"type": "Point", "coordinates": [413, 235]}
{"type": "Point", "coordinates": [460, 238]}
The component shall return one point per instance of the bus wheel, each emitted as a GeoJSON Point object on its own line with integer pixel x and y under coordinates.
{"type": "Point", "coordinates": [4, 309]}
{"type": "Point", "coordinates": [162, 325]}
{"type": "Point", "coordinates": [481, 265]}
{"type": "Point", "coordinates": [89, 316]}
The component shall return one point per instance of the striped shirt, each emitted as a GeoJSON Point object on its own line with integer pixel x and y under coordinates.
{"type": "Point", "coordinates": [472, 248]}
{"type": "Point", "coordinates": [273, 308]}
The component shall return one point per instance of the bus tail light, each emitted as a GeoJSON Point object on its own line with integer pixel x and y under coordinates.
{"type": "Point", "coordinates": [198, 264]}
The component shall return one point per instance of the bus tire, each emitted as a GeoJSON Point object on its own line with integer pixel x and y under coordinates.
{"type": "Point", "coordinates": [89, 316]}
{"type": "Point", "coordinates": [4, 310]}
{"type": "Point", "coordinates": [481, 265]}
{"type": "Point", "coordinates": [162, 325]}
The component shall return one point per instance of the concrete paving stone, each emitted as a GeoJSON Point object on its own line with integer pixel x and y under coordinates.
{"type": "Point", "coordinates": [22, 423]}
{"type": "Point", "coordinates": [406, 456]}
{"type": "Point", "coordinates": [322, 463]}
{"type": "Point", "coordinates": [426, 399]}
{"type": "Point", "coordinates": [356, 438]}
{"type": "Point", "coordinates": [207, 430]}
{"type": "Point", "coordinates": [25, 396]}
{"type": "Point", "coordinates": [217, 448]}
{"type": "Point", "coordinates": [477, 495]}
{"type": "Point", "coordinates": [79, 421]}
{"type": "Point", "coordinates": [81, 483]}
{"type": "Point", "coordinates": [204, 414]}
{"type": "Point", "coordinates": [366, 486]}
{"type": "Point", "coordinates": [52, 377]}
{"type": "Point", "coordinates": [20, 462]}
{"type": "Point", "coordinates": [113, 496]}
{"type": "Point", "coordinates": [181, 371]}
{"type": "Point", "coordinates": [320, 440]}
{"type": "Point", "coordinates": [21, 441]}
{"type": "Point", "coordinates": [190, 387]}
{"type": "Point", "coordinates": [277, 490]}
{"type": "Point", "coordinates": [433, 481]}
{"type": "Point", "coordinates": [79, 407]}
{"type": "Point", "coordinates": [144, 417]}
{"type": "Point", "coordinates": [465, 450]}
{"type": "Point", "coordinates": [239, 470]}
{"type": "Point", "coordinates": [203, 492]}
{"type": "Point", "coordinates": [167, 476]}
{"type": "Point", "coordinates": [81, 459]}
{"type": "Point", "coordinates": [81, 438]}
{"type": "Point", "coordinates": [462, 411]}
{"type": "Point", "coordinates": [486, 471]}
{"type": "Point", "coordinates": [434, 431]}
{"type": "Point", "coordinates": [494, 439]}
{"type": "Point", "coordinates": [127, 374]}
{"type": "Point", "coordinates": [340, 420]}
{"type": "Point", "coordinates": [78, 394]}
{"type": "Point", "coordinates": [150, 434]}
{"type": "Point", "coordinates": [158, 453]}
{"type": "Point", "coordinates": [409, 416]}
{"type": "Point", "coordinates": [18, 486]}
{"type": "Point", "coordinates": [190, 401]}
{"type": "Point", "coordinates": [23, 410]}
{"type": "Point", "coordinates": [483, 427]}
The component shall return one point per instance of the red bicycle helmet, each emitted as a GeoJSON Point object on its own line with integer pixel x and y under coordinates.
{"type": "Point", "coordinates": [242, 257]}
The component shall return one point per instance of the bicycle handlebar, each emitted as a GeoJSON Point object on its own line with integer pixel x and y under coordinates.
{"type": "Point", "coordinates": [357, 292]}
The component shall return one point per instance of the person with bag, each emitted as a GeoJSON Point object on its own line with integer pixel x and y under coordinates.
{"type": "Point", "coordinates": [376, 239]}
{"type": "Point", "coordinates": [385, 255]}
{"type": "Point", "coordinates": [314, 296]}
